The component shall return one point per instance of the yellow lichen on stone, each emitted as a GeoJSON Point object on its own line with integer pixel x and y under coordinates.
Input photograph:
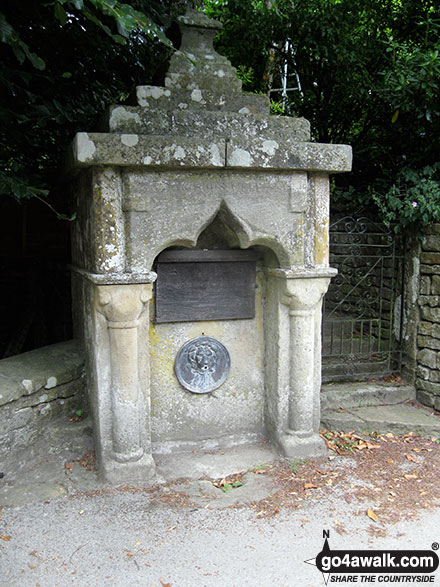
{"type": "Point", "coordinates": [322, 244]}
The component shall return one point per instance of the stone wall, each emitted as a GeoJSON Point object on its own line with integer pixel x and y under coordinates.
{"type": "Point", "coordinates": [427, 380]}
{"type": "Point", "coordinates": [36, 387]}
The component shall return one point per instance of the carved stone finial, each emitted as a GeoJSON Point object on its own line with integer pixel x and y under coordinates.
{"type": "Point", "coordinates": [196, 18]}
{"type": "Point", "coordinates": [197, 65]}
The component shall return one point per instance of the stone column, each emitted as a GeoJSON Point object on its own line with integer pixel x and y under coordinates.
{"type": "Point", "coordinates": [297, 424]}
{"type": "Point", "coordinates": [122, 306]}
{"type": "Point", "coordinates": [124, 449]}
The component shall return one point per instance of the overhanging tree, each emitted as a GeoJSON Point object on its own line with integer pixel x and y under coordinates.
{"type": "Point", "coordinates": [366, 72]}
{"type": "Point", "coordinates": [61, 63]}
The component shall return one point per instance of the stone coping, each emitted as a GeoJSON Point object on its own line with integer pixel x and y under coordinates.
{"type": "Point", "coordinates": [43, 368]}
{"type": "Point", "coordinates": [116, 278]}
{"type": "Point", "coordinates": [135, 150]}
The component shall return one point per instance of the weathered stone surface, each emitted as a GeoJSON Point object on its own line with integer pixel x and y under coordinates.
{"type": "Point", "coordinates": [24, 420]}
{"type": "Point", "coordinates": [430, 269]}
{"type": "Point", "coordinates": [207, 125]}
{"type": "Point", "coordinates": [428, 386]}
{"type": "Point", "coordinates": [276, 154]}
{"type": "Point", "coordinates": [429, 258]}
{"type": "Point", "coordinates": [423, 372]}
{"type": "Point", "coordinates": [425, 328]}
{"type": "Point", "coordinates": [40, 370]}
{"type": "Point", "coordinates": [345, 395]}
{"type": "Point", "coordinates": [197, 165]}
{"type": "Point", "coordinates": [428, 342]}
{"type": "Point", "coordinates": [435, 285]}
{"type": "Point", "coordinates": [425, 285]}
{"type": "Point", "coordinates": [427, 357]}
{"type": "Point", "coordinates": [236, 198]}
{"type": "Point", "coordinates": [142, 150]}
{"type": "Point", "coordinates": [431, 314]}
{"type": "Point", "coordinates": [399, 419]}
{"type": "Point", "coordinates": [434, 376]}
{"type": "Point", "coordinates": [431, 301]}
{"type": "Point", "coordinates": [425, 398]}
{"type": "Point", "coordinates": [235, 410]}
{"type": "Point", "coordinates": [431, 242]}
{"type": "Point", "coordinates": [160, 100]}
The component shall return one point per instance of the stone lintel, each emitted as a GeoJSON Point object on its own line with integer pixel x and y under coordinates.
{"type": "Point", "coordinates": [133, 150]}
{"type": "Point", "coordinates": [117, 278]}
{"type": "Point", "coordinates": [279, 154]}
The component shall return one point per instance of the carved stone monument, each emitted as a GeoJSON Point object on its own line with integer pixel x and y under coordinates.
{"type": "Point", "coordinates": [226, 347]}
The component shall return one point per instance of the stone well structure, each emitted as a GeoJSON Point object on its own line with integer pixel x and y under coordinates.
{"type": "Point", "coordinates": [228, 207]}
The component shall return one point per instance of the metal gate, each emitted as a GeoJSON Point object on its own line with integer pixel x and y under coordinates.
{"type": "Point", "coordinates": [362, 318]}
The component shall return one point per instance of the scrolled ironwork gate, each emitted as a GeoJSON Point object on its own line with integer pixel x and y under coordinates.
{"type": "Point", "coordinates": [361, 323]}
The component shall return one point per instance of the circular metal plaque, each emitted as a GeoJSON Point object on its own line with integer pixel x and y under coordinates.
{"type": "Point", "coordinates": [202, 364]}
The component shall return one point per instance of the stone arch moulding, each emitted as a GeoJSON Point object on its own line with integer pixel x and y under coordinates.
{"type": "Point", "coordinates": [246, 236]}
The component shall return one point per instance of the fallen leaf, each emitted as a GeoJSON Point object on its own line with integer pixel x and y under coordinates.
{"type": "Point", "coordinates": [390, 460]}
{"type": "Point", "coordinates": [412, 458]}
{"type": "Point", "coordinates": [5, 538]}
{"type": "Point", "coordinates": [310, 486]}
{"type": "Point", "coordinates": [68, 466]}
{"type": "Point", "coordinates": [165, 584]}
{"type": "Point", "coordinates": [408, 476]}
{"type": "Point", "coordinates": [372, 515]}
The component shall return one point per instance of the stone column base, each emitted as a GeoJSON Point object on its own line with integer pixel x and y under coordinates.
{"type": "Point", "coordinates": [294, 446]}
{"type": "Point", "coordinates": [142, 470]}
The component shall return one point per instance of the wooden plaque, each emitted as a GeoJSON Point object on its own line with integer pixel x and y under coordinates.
{"type": "Point", "coordinates": [195, 285]}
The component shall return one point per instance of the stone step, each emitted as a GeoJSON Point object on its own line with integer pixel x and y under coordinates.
{"type": "Point", "coordinates": [398, 419]}
{"type": "Point", "coordinates": [378, 407]}
{"type": "Point", "coordinates": [337, 369]}
{"type": "Point", "coordinates": [353, 395]}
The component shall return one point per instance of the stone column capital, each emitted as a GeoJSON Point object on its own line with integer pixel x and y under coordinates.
{"type": "Point", "coordinates": [303, 294]}
{"type": "Point", "coordinates": [123, 304]}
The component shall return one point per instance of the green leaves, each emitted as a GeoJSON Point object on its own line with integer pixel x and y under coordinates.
{"type": "Point", "coordinates": [62, 63]}
{"type": "Point", "coordinates": [226, 488]}
{"type": "Point", "coordinates": [363, 72]}
{"type": "Point", "coordinates": [21, 50]}
{"type": "Point", "coordinates": [413, 201]}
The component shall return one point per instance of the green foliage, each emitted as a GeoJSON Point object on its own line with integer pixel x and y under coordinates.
{"type": "Point", "coordinates": [412, 202]}
{"type": "Point", "coordinates": [62, 63]}
{"type": "Point", "coordinates": [277, 108]}
{"type": "Point", "coordinates": [369, 76]}
{"type": "Point", "coordinates": [293, 465]}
